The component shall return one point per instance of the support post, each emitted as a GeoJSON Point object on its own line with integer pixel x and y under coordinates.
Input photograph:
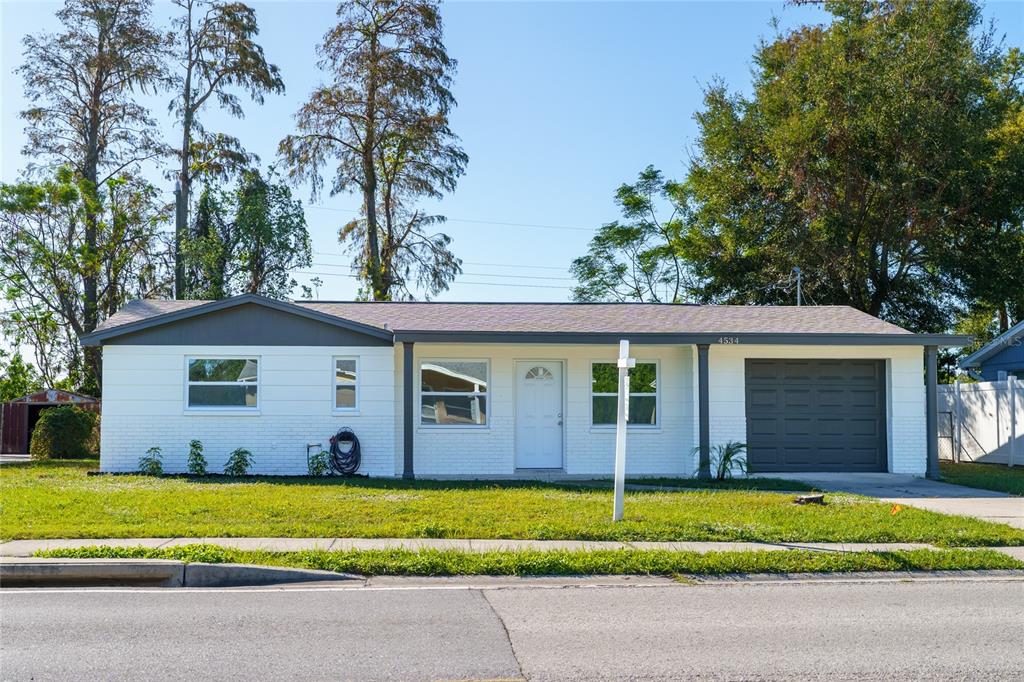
{"type": "Point", "coordinates": [958, 433]}
{"type": "Point", "coordinates": [625, 363]}
{"type": "Point", "coordinates": [704, 411]}
{"type": "Point", "coordinates": [407, 410]}
{"type": "Point", "coordinates": [931, 389]}
{"type": "Point", "coordinates": [1012, 384]}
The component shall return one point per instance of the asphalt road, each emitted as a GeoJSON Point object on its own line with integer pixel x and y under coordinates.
{"type": "Point", "coordinates": [895, 630]}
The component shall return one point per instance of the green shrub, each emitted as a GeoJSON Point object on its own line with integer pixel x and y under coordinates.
{"type": "Point", "coordinates": [318, 465]}
{"type": "Point", "coordinates": [65, 431]}
{"type": "Point", "coordinates": [238, 463]}
{"type": "Point", "coordinates": [196, 461]}
{"type": "Point", "coordinates": [152, 463]}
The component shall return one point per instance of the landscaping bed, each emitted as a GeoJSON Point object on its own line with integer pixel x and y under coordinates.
{"type": "Point", "coordinates": [429, 562]}
{"type": "Point", "coordinates": [58, 500]}
{"type": "Point", "coordinates": [997, 477]}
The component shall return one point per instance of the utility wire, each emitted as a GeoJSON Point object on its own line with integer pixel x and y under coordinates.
{"type": "Point", "coordinates": [486, 284]}
{"type": "Point", "coordinates": [470, 274]}
{"type": "Point", "coordinates": [494, 223]}
{"type": "Point", "coordinates": [466, 262]}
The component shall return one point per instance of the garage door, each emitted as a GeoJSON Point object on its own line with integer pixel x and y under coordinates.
{"type": "Point", "coordinates": [816, 415]}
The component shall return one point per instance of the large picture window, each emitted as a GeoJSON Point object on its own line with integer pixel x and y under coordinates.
{"type": "Point", "coordinates": [453, 393]}
{"type": "Point", "coordinates": [346, 386]}
{"type": "Point", "coordinates": [643, 394]}
{"type": "Point", "coordinates": [223, 383]}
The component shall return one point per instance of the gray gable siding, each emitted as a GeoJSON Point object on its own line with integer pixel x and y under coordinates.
{"type": "Point", "coordinates": [247, 325]}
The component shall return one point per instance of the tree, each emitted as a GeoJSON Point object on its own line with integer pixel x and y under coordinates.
{"type": "Point", "coordinates": [250, 239]}
{"type": "Point", "coordinates": [46, 259]}
{"type": "Point", "coordinates": [868, 154]}
{"type": "Point", "coordinates": [81, 83]}
{"type": "Point", "coordinates": [383, 122]}
{"type": "Point", "coordinates": [18, 377]}
{"type": "Point", "coordinates": [217, 53]}
{"type": "Point", "coordinates": [639, 259]}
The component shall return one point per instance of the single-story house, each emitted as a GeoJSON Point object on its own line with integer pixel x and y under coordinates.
{"type": "Point", "coordinates": [492, 390]}
{"type": "Point", "coordinates": [1004, 355]}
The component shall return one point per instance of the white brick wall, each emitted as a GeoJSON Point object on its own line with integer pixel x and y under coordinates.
{"type": "Point", "coordinates": [587, 450]}
{"type": "Point", "coordinates": [144, 405]}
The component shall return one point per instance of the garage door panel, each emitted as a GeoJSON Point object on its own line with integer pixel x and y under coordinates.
{"type": "Point", "coordinates": [816, 415]}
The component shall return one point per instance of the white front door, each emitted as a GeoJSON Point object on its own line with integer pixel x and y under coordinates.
{"type": "Point", "coordinates": [539, 415]}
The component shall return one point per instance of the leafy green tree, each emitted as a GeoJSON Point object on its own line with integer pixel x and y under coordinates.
{"type": "Point", "coordinates": [82, 84]}
{"type": "Point", "coordinates": [249, 240]}
{"type": "Point", "coordinates": [639, 259]}
{"type": "Point", "coordinates": [57, 236]}
{"type": "Point", "coordinates": [217, 53]}
{"type": "Point", "coordinates": [871, 152]}
{"type": "Point", "coordinates": [382, 123]}
{"type": "Point", "coordinates": [18, 378]}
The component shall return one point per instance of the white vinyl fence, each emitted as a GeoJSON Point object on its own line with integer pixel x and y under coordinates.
{"type": "Point", "coordinates": [982, 422]}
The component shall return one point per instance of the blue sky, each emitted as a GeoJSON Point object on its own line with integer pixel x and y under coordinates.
{"type": "Point", "coordinates": [559, 103]}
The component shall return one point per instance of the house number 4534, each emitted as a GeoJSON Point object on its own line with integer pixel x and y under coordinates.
{"type": "Point", "coordinates": [728, 339]}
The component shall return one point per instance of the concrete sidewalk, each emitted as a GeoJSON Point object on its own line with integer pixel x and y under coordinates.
{"type": "Point", "coordinates": [24, 548]}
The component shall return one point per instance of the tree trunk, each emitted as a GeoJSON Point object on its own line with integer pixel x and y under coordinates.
{"type": "Point", "coordinates": [377, 289]}
{"type": "Point", "coordinates": [92, 371]}
{"type": "Point", "coordinates": [184, 177]}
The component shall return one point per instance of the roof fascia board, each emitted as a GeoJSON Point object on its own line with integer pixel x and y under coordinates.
{"type": "Point", "coordinates": [992, 347]}
{"type": "Point", "coordinates": [725, 338]}
{"type": "Point", "coordinates": [96, 338]}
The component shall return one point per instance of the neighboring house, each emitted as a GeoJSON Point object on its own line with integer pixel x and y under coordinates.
{"type": "Point", "coordinates": [512, 389]}
{"type": "Point", "coordinates": [1005, 353]}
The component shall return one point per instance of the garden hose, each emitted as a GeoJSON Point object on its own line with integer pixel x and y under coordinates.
{"type": "Point", "coordinates": [344, 453]}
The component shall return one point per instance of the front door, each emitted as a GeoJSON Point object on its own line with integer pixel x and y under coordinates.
{"type": "Point", "coordinates": [539, 415]}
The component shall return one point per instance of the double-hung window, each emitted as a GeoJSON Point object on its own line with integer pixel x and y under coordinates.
{"type": "Point", "coordinates": [453, 392]}
{"type": "Point", "coordinates": [643, 394]}
{"type": "Point", "coordinates": [230, 383]}
{"type": "Point", "coordinates": [346, 385]}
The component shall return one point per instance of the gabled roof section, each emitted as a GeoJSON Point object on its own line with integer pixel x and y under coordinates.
{"type": "Point", "coordinates": [997, 344]}
{"type": "Point", "coordinates": [146, 314]}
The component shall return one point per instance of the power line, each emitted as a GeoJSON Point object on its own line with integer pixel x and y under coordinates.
{"type": "Point", "coordinates": [466, 262]}
{"type": "Point", "coordinates": [494, 223]}
{"type": "Point", "coordinates": [484, 284]}
{"type": "Point", "coordinates": [471, 274]}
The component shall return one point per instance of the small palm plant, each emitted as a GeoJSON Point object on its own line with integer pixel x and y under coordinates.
{"type": "Point", "coordinates": [151, 464]}
{"type": "Point", "coordinates": [238, 463]}
{"type": "Point", "coordinates": [730, 456]}
{"type": "Point", "coordinates": [196, 461]}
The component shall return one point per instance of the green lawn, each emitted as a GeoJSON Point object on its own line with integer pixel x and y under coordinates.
{"type": "Point", "coordinates": [988, 476]}
{"type": "Point", "coordinates": [558, 562]}
{"type": "Point", "coordinates": [773, 484]}
{"type": "Point", "coordinates": [57, 499]}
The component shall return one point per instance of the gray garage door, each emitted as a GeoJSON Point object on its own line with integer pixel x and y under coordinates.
{"type": "Point", "coordinates": [816, 415]}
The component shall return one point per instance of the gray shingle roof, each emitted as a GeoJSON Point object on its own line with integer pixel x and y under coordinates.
{"type": "Point", "coordinates": [622, 318]}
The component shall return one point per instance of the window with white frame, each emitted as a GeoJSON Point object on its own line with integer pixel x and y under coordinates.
{"type": "Point", "coordinates": [453, 392]}
{"type": "Point", "coordinates": [223, 383]}
{"type": "Point", "coordinates": [346, 384]}
{"type": "Point", "coordinates": [643, 394]}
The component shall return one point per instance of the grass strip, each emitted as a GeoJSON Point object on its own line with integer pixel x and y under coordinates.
{"type": "Point", "coordinates": [58, 500]}
{"type": "Point", "coordinates": [431, 562]}
{"type": "Point", "coordinates": [998, 477]}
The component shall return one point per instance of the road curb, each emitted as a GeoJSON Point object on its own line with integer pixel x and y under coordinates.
{"type": "Point", "coordinates": [38, 572]}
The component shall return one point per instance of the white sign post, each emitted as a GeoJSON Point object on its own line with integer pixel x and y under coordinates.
{"type": "Point", "coordinates": [625, 364]}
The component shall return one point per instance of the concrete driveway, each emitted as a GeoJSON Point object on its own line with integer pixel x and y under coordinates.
{"type": "Point", "coordinates": [940, 497]}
